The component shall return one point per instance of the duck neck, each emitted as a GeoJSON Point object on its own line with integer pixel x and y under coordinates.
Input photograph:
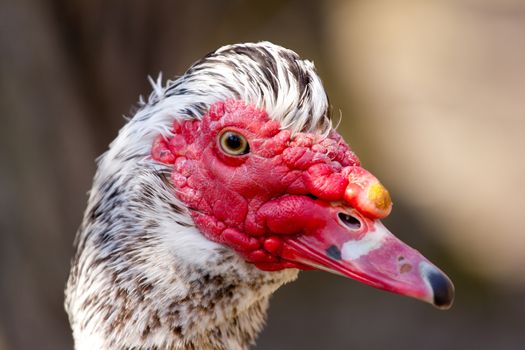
{"type": "Point", "coordinates": [143, 277]}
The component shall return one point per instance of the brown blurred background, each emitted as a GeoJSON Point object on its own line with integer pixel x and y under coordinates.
{"type": "Point", "coordinates": [432, 95]}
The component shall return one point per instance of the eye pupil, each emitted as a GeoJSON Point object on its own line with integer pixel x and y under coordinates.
{"type": "Point", "coordinates": [233, 141]}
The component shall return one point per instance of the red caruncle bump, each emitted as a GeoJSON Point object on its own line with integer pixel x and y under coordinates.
{"type": "Point", "coordinates": [273, 244]}
{"type": "Point", "coordinates": [322, 181]}
{"type": "Point", "coordinates": [239, 241]}
{"type": "Point", "coordinates": [161, 152]}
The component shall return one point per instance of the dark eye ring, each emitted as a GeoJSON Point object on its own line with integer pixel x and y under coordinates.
{"type": "Point", "coordinates": [233, 143]}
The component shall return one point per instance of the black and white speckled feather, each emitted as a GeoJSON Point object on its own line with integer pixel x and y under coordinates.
{"type": "Point", "coordinates": [143, 277]}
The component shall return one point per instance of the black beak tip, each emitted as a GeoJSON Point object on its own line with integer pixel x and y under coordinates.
{"type": "Point", "coordinates": [442, 289]}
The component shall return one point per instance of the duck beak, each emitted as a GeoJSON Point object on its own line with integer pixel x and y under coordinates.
{"type": "Point", "coordinates": [349, 244]}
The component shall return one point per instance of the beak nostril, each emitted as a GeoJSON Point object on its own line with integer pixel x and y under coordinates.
{"type": "Point", "coordinates": [349, 221]}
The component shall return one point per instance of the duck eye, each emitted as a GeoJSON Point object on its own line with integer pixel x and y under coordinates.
{"type": "Point", "coordinates": [234, 143]}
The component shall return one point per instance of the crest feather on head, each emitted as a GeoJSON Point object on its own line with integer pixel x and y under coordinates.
{"type": "Point", "coordinates": [265, 75]}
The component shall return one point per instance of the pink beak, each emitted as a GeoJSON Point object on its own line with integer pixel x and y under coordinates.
{"type": "Point", "coordinates": [339, 239]}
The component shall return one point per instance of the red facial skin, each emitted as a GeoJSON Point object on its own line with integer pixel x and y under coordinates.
{"type": "Point", "coordinates": [279, 205]}
{"type": "Point", "coordinates": [226, 193]}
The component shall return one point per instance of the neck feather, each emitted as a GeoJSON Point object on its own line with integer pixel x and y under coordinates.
{"type": "Point", "coordinates": [143, 276]}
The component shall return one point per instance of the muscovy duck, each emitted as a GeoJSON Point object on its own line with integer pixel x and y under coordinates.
{"type": "Point", "coordinates": [225, 183]}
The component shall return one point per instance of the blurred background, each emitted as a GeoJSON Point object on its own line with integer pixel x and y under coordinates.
{"type": "Point", "coordinates": [432, 98]}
